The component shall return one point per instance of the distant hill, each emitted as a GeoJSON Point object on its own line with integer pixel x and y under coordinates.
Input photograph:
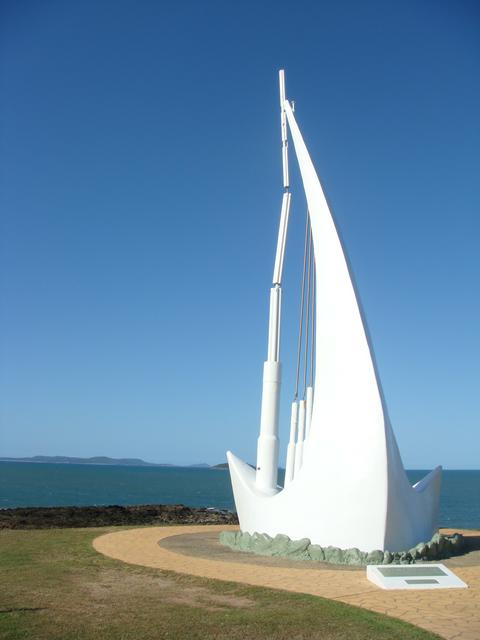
{"type": "Point", "coordinates": [224, 465]}
{"type": "Point", "coordinates": [127, 462]}
{"type": "Point", "coordinates": [124, 462]}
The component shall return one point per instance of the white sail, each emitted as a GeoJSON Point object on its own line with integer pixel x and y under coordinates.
{"type": "Point", "coordinates": [351, 490]}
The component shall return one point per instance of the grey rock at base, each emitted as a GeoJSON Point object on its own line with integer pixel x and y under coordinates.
{"type": "Point", "coordinates": [298, 549]}
{"type": "Point", "coordinates": [440, 546]}
{"type": "Point", "coordinates": [432, 550]}
{"type": "Point", "coordinates": [316, 552]}
{"type": "Point", "coordinates": [458, 542]}
{"type": "Point", "coordinates": [261, 543]}
{"type": "Point", "coordinates": [333, 555]}
{"type": "Point", "coordinates": [354, 556]}
{"type": "Point", "coordinates": [244, 542]}
{"type": "Point", "coordinates": [439, 540]}
{"type": "Point", "coordinates": [375, 557]}
{"type": "Point", "coordinates": [406, 558]}
{"type": "Point", "coordinates": [421, 551]}
{"type": "Point", "coordinates": [280, 545]}
{"type": "Point", "coordinates": [448, 549]}
{"type": "Point", "coordinates": [228, 538]}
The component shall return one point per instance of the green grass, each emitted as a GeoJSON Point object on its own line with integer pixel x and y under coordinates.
{"type": "Point", "coordinates": [55, 586]}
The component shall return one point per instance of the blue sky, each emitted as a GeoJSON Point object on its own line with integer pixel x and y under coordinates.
{"type": "Point", "coordinates": [140, 191]}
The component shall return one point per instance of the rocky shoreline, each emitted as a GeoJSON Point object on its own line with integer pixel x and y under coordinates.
{"type": "Point", "coordinates": [147, 514]}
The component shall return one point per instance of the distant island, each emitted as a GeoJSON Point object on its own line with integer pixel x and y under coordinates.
{"type": "Point", "coordinates": [102, 460]}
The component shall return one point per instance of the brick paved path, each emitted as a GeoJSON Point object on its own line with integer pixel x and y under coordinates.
{"type": "Point", "coordinates": [452, 613]}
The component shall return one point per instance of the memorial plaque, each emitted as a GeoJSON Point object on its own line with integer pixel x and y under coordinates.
{"type": "Point", "coordinates": [414, 576]}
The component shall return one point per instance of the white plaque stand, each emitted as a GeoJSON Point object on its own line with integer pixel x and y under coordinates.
{"type": "Point", "coordinates": [414, 576]}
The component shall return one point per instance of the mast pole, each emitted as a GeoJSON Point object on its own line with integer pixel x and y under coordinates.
{"type": "Point", "coordinates": [268, 443]}
{"type": "Point", "coordinates": [286, 177]}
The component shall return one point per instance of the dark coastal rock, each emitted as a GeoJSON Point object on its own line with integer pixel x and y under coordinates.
{"type": "Point", "coordinates": [151, 514]}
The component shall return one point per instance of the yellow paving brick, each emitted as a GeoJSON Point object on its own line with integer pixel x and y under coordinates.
{"type": "Point", "coordinates": [452, 613]}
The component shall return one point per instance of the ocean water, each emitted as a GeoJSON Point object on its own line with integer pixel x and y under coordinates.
{"type": "Point", "coordinates": [24, 484]}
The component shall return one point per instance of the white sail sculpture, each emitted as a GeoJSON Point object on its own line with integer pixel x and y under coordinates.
{"type": "Point", "coordinates": [348, 487]}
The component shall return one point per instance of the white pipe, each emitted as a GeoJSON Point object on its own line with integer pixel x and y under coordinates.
{"type": "Point", "coordinates": [274, 324]}
{"type": "Point", "coordinates": [267, 445]}
{"type": "Point", "coordinates": [286, 179]}
{"type": "Point", "coordinates": [282, 238]}
{"type": "Point", "coordinates": [308, 411]}
{"type": "Point", "coordinates": [290, 465]}
{"type": "Point", "coordinates": [281, 80]}
{"type": "Point", "coordinates": [301, 436]}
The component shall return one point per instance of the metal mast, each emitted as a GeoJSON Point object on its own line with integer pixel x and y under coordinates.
{"type": "Point", "coordinates": [268, 444]}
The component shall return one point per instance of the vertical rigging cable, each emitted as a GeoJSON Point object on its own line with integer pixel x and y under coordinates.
{"type": "Point", "coordinates": [307, 328]}
{"type": "Point", "coordinates": [302, 300]}
{"type": "Point", "coordinates": [314, 299]}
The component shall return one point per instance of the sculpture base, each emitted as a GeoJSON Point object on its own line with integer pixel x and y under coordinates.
{"type": "Point", "coordinates": [439, 547]}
